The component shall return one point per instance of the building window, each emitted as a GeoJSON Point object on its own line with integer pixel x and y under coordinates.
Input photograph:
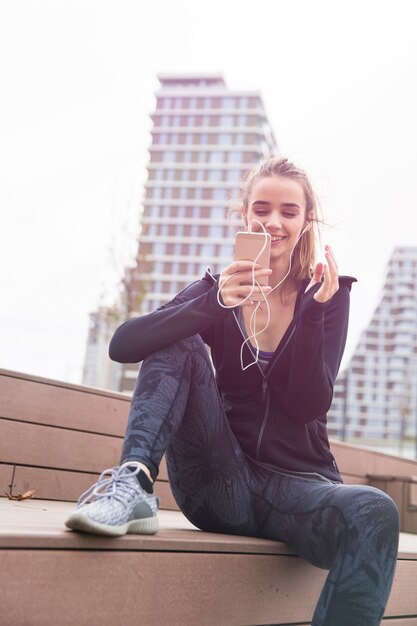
{"type": "Point", "coordinates": [215, 230]}
{"type": "Point", "coordinates": [233, 176]}
{"type": "Point", "coordinates": [234, 157]}
{"type": "Point", "coordinates": [226, 250]}
{"type": "Point", "coordinates": [215, 175]}
{"type": "Point", "coordinates": [225, 138]}
{"type": "Point", "coordinates": [216, 157]}
{"type": "Point", "coordinates": [219, 194]}
{"type": "Point", "coordinates": [217, 213]}
{"type": "Point", "coordinates": [168, 157]}
{"type": "Point", "coordinates": [228, 103]}
{"type": "Point", "coordinates": [159, 248]}
{"type": "Point", "coordinates": [207, 249]}
{"type": "Point", "coordinates": [226, 120]}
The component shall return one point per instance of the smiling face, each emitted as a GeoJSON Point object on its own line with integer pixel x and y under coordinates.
{"type": "Point", "coordinates": [279, 203]}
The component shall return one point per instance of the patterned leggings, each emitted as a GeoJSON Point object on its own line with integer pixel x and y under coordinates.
{"type": "Point", "coordinates": [350, 530]}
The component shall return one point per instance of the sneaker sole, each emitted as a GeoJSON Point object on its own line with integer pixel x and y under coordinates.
{"type": "Point", "coordinates": [144, 526]}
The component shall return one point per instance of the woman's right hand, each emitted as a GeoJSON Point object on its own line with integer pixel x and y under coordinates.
{"type": "Point", "coordinates": [235, 284]}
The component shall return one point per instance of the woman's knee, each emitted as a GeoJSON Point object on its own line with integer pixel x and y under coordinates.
{"type": "Point", "coordinates": [385, 508]}
{"type": "Point", "coordinates": [370, 507]}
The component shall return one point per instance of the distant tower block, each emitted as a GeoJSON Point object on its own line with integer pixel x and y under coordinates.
{"type": "Point", "coordinates": [375, 401]}
{"type": "Point", "coordinates": [205, 137]}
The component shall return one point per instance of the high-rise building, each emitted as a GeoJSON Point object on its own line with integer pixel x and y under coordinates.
{"type": "Point", "coordinates": [205, 137]}
{"type": "Point", "coordinates": [99, 370]}
{"type": "Point", "coordinates": [375, 400]}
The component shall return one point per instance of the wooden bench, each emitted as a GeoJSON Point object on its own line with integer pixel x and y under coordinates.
{"type": "Point", "coordinates": [56, 438]}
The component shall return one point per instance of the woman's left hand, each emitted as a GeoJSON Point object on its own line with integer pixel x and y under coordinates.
{"type": "Point", "coordinates": [328, 271]}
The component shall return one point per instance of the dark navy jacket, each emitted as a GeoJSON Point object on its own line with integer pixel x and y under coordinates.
{"type": "Point", "coordinates": [277, 415]}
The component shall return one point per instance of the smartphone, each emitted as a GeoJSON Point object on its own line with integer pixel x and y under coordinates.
{"type": "Point", "coordinates": [248, 247]}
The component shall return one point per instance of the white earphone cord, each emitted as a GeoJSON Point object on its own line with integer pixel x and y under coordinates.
{"type": "Point", "coordinates": [255, 283]}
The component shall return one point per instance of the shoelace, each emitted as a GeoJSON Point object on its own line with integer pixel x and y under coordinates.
{"type": "Point", "coordinates": [113, 482]}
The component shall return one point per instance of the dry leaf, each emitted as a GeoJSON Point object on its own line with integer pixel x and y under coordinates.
{"type": "Point", "coordinates": [21, 496]}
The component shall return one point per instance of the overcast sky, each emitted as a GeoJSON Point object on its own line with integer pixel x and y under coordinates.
{"type": "Point", "coordinates": [77, 85]}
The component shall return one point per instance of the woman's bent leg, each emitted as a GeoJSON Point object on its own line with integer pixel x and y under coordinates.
{"type": "Point", "coordinates": [350, 530]}
{"type": "Point", "coordinates": [176, 404]}
{"type": "Point", "coordinates": [176, 408]}
{"type": "Point", "coordinates": [159, 402]}
{"type": "Point", "coordinates": [365, 524]}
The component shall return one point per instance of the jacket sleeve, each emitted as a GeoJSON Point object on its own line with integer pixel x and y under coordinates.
{"type": "Point", "coordinates": [319, 343]}
{"type": "Point", "coordinates": [191, 312]}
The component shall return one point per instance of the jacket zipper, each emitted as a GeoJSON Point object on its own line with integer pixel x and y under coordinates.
{"type": "Point", "coordinates": [265, 390]}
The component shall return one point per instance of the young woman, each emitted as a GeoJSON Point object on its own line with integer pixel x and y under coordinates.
{"type": "Point", "coordinates": [246, 447]}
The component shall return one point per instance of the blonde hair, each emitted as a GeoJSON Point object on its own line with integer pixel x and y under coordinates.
{"type": "Point", "coordinates": [304, 254]}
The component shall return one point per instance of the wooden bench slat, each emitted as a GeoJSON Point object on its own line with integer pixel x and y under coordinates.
{"type": "Point", "coordinates": [204, 589]}
{"type": "Point", "coordinates": [350, 479]}
{"type": "Point", "coordinates": [51, 484]}
{"type": "Point", "coordinates": [40, 524]}
{"type": "Point", "coordinates": [403, 599]}
{"type": "Point", "coordinates": [362, 461]}
{"type": "Point", "coordinates": [406, 621]}
{"type": "Point", "coordinates": [55, 447]}
{"type": "Point", "coordinates": [6, 475]}
{"type": "Point", "coordinates": [58, 405]}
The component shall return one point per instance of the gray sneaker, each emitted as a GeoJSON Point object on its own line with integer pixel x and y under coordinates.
{"type": "Point", "coordinates": [116, 505]}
